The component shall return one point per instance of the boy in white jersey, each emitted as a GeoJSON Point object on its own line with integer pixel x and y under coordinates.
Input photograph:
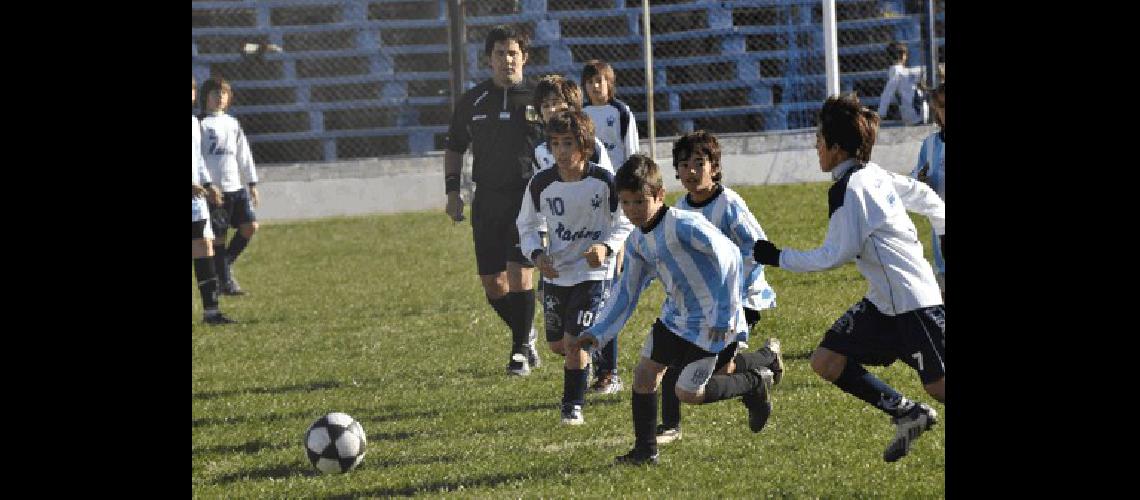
{"type": "Point", "coordinates": [902, 316]}
{"type": "Point", "coordinates": [228, 158]}
{"type": "Point", "coordinates": [555, 93]}
{"type": "Point", "coordinates": [702, 274]}
{"type": "Point", "coordinates": [577, 202]}
{"type": "Point", "coordinates": [201, 236]}
{"type": "Point", "coordinates": [696, 157]}
{"type": "Point", "coordinates": [614, 123]}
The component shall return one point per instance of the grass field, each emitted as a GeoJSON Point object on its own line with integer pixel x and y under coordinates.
{"type": "Point", "coordinates": [383, 317]}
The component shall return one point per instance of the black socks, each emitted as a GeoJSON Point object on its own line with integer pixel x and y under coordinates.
{"type": "Point", "coordinates": [856, 381]}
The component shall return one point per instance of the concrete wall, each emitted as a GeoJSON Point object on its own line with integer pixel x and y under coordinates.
{"type": "Point", "coordinates": [415, 183]}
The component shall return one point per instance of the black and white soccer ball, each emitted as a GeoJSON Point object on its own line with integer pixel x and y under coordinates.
{"type": "Point", "coordinates": [335, 443]}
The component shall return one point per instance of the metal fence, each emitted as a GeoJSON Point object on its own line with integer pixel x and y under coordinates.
{"type": "Point", "coordinates": [324, 80]}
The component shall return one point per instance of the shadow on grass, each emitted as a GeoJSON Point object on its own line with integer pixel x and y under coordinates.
{"type": "Point", "coordinates": [272, 417]}
{"type": "Point", "coordinates": [274, 472]}
{"type": "Point", "coordinates": [519, 408]}
{"type": "Point", "coordinates": [408, 415]}
{"type": "Point", "coordinates": [400, 462]}
{"type": "Point", "coordinates": [484, 481]}
{"type": "Point", "coordinates": [314, 386]}
{"type": "Point", "coordinates": [250, 447]}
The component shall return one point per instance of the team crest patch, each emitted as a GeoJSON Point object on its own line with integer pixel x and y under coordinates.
{"type": "Point", "coordinates": [610, 121]}
{"type": "Point", "coordinates": [597, 201]}
{"type": "Point", "coordinates": [699, 375]}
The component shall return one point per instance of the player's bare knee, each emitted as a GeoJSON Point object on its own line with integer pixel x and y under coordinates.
{"type": "Point", "coordinates": [828, 367]}
{"type": "Point", "coordinates": [557, 348]}
{"type": "Point", "coordinates": [692, 398]}
{"type": "Point", "coordinates": [644, 379]}
{"type": "Point", "coordinates": [247, 230]}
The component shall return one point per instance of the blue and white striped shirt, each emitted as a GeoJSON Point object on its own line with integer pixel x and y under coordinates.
{"type": "Point", "coordinates": [701, 271]}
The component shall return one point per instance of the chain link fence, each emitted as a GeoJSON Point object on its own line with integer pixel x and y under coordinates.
{"type": "Point", "coordinates": [325, 80]}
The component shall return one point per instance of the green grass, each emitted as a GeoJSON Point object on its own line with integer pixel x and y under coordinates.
{"type": "Point", "coordinates": [383, 317]}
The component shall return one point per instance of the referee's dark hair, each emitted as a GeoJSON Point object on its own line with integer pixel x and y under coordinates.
{"type": "Point", "coordinates": [502, 33]}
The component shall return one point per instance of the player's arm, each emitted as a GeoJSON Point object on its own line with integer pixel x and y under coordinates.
{"type": "Point", "coordinates": [632, 140]}
{"type": "Point", "coordinates": [888, 91]}
{"type": "Point", "coordinates": [245, 163]}
{"type": "Point", "coordinates": [531, 223]}
{"type": "Point", "coordinates": [621, 304]}
{"type": "Point", "coordinates": [604, 157]}
{"type": "Point", "coordinates": [918, 197]}
{"type": "Point", "coordinates": [620, 226]}
{"type": "Point", "coordinates": [844, 239]}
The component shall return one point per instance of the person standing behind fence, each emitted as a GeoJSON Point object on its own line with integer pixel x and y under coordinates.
{"type": "Point", "coordinates": [201, 237]}
{"type": "Point", "coordinates": [498, 120]}
{"type": "Point", "coordinates": [616, 127]}
{"type": "Point", "coordinates": [931, 169]}
{"type": "Point", "coordinates": [228, 158]}
{"type": "Point", "coordinates": [554, 94]}
{"type": "Point", "coordinates": [905, 83]}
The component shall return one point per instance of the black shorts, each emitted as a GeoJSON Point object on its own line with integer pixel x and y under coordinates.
{"type": "Point", "coordinates": [671, 350]}
{"type": "Point", "coordinates": [867, 336]}
{"type": "Point", "coordinates": [567, 310]}
{"type": "Point", "coordinates": [197, 229]}
{"type": "Point", "coordinates": [493, 229]}
{"type": "Point", "coordinates": [235, 211]}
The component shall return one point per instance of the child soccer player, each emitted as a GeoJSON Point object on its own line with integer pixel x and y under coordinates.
{"type": "Point", "coordinates": [553, 94]}
{"type": "Point", "coordinates": [577, 200]}
{"type": "Point", "coordinates": [902, 316]}
{"type": "Point", "coordinates": [696, 157]}
{"type": "Point", "coordinates": [613, 121]}
{"type": "Point", "coordinates": [201, 236]}
{"type": "Point", "coordinates": [931, 169]}
{"type": "Point", "coordinates": [228, 158]}
{"type": "Point", "coordinates": [614, 124]}
{"type": "Point", "coordinates": [702, 274]}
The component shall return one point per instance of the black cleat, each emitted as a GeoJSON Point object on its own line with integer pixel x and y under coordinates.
{"type": "Point", "coordinates": [666, 435]}
{"type": "Point", "coordinates": [518, 366]}
{"type": "Point", "coordinates": [909, 427]}
{"type": "Point", "coordinates": [758, 402]}
{"type": "Point", "coordinates": [218, 319]}
{"type": "Point", "coordinates": [637, 457]}
{"type": "Point", "coordinates": [777, 366]}
{"type": "Point", "coordinates": [232, 288]}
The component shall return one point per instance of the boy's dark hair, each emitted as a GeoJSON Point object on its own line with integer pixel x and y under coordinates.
{"type": "Point", "coordinates": [845, 122]}
{"type": "Point", "coordinates": [557, 85]}
{"type": "Point", "coordinates": [694, 143]}
{"type": "Point", "coordinates": [503, 33]}
{"type": "Point", "coordinates": [576, 123]}
{"type": "Point", "coordinates": [896, 51]}
{"type": "Point", "coordinates": [211, 84]}
{"type": "Point", "coordinates": [639, 174]}
{"type": "Point", "coordinates": [595, 67]}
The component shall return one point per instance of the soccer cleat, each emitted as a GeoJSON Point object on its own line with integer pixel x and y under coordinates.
{"type": "Point", "coordinates": [518, 365]}
{"type": "Point", "coordinates": [758, 402]}
{"type": "Point", "coordinates": [232, 288]}
{"type": "Point", "coordinates": [572, 415]}
{"type": "Point", "coordinates": [908, 427]}
{"type": "Point", "coordinates": [637, 457]}
{"type": "Point", "coordinates": [532, 355]}
{"type": "Point", "coordinates": [218, 319]}
{"type": "Point", "coordinates": [666, 435]}
{"type": "Point", "coordinates": [607, 383]}
{"type": "Point", "coordinates": [777, 366]}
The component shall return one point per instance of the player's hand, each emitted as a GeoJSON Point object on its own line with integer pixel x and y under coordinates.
{"type": "Point", "coordinates": [545, 265]}
{"type": "Point", "coordinates": [596, 254]}
{"type": "Point", "coordinates": [585, 342]}
{"type": "Point", "coordinates": [454, 208]}
{"type": "Point", "coordinates": [253, 197]}
{"type": "Point", "coordinates": [766, 253]}
{"type": "Point", "coordinates": [716, 334]}
{"type": "Point", "coordinates": [924, 174]}
{"type": "Point", "coordinates": [196, 190]}
{"type": "Point", "coordinates": [942, 245]}
{"type": "Point", "coordinates": [215, 196]}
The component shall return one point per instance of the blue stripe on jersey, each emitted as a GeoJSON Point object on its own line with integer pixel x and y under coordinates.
{"type": "Point", "coordinates": [540, 182]}
{"type": "Point", "coordinates": [836, 192]}
{"type": "Point", "coordinates": [623, 115]}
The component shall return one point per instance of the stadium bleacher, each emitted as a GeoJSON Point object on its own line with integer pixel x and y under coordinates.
{"type": "Point", "coordinates": [367, 78]}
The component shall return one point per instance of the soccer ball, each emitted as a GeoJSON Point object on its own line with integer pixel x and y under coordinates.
{"type": "Point", "coordinates": [335, 443]}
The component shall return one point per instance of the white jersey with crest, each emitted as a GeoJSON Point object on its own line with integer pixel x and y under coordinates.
{"type": "Point", "coordinates": [869, 224]}
{"type": "Point", "coordinates": [615, 125]}
{"type": "Point", "coordinates": [199, 174]}
{"type": "Point", "coordinates": [729, 213]}
{"type": "Point", "coordinates": [577, 214]}
{"type": "Point", "coordinates": [226, 152]}
{"type": "Point", "coordinates": [701, 271]}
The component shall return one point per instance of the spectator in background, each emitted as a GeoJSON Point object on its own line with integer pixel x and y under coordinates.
{"type": "Point", "coordinates": [931, 169]}
{"type": "Point", "coordinates": [906, 84]}
{"type": "Point", "coordinates": [498, 120]}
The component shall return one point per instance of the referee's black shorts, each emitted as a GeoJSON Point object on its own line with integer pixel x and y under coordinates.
{"type": "Point", "coordinates": [493, 229]}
